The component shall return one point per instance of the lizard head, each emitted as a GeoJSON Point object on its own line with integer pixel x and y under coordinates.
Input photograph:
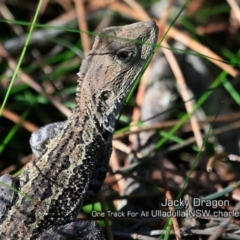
{"type": "Point", "coordinates": [108, 73]}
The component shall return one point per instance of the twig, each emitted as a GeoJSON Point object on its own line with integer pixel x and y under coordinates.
{"type": "Point", "coordinates": [28, 80]}
{"type": "Point", "coordinates": [184, 92]}
{"type": "Point", "coordinates": [168, 124]}
{"type": "Point", "coordinates": [223, 225]}
{"type": "Point", "coordinates": [202, 50]}
{"type": "Point", "coordinates": [83, 26]}
{"type": "Point", "coordinates": [235, 8]}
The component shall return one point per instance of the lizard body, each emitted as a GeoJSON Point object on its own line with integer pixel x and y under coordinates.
{"type": "Point", "coordinates": [74, 162]}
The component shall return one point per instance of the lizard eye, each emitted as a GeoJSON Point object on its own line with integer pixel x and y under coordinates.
{"type": "Point", "coordinates": [124, 56]}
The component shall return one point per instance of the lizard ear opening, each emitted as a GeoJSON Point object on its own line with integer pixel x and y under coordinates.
{"type": "Point", "coordinates": [106, 94]}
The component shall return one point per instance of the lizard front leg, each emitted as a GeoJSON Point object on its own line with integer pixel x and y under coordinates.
{"type": "Point", "coordinates": [40, 138]}
{"type": "Point", "coordinates": [38, 141]}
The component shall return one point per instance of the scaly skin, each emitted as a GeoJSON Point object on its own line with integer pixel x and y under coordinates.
{"type": "Point", "coordinates": [75, 161]}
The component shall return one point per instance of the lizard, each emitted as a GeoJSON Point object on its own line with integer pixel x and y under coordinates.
{"type": "Point", "coordinates": [74, 159]}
